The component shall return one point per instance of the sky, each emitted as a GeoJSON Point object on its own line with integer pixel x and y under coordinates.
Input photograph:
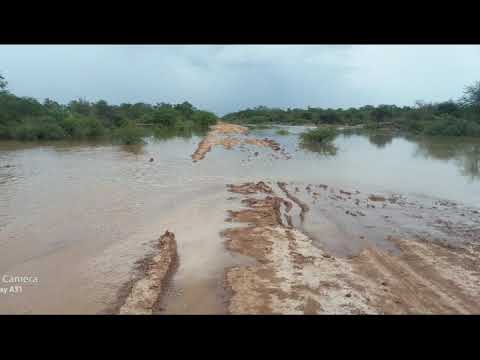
{"type": "Point", "coordinates": [227, 78]}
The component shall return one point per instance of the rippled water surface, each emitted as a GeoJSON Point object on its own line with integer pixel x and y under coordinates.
{"type": "Point", "coordinates": [62, 205]}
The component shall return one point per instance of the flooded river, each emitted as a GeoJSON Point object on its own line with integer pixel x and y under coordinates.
{"type": "Point", "coordinates": [78, 216]}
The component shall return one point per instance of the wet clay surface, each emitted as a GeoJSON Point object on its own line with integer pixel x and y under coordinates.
{"type": "Point", "coordinates": [296, 274]}
{"type": "Point", "coordinates": [231, 135]}
{"type": "Point", "coordinates": [155, 271]}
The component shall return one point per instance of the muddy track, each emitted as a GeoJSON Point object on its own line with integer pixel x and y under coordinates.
{"type": "Point", "coordinates": [230, 135]}
{"type": "Point", "coordinates": [303, 207]}
{"type": "Point", "coordinates": [142, 295]}
{"type": "Point", "coordinates": [294, 276]}
{"type": "Point", "coordinates": [217, 136]}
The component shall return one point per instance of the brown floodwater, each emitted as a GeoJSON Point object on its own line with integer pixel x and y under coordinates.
{"type": "Point", "coordinates": [77, 216]}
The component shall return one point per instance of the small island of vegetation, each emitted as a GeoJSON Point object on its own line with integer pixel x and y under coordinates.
{"type": "Point", "coordinates": [319, 135]}
{"type": "Point", "coordinates": [282, 132]}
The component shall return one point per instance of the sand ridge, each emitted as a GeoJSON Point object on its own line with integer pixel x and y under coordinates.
{"type": "Point", "coordinates": [231, 135]}
{"type": "Point", "coordinates": [146, 292]}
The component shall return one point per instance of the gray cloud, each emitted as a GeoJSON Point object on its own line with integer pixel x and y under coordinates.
{"type": "Point", "coordinates": [231, 77]}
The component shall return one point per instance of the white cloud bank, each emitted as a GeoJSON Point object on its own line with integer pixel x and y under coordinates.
{"type": "Point", "coordinates": [231, 77]}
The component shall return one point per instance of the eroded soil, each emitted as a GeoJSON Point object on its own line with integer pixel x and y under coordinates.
{"type": "Point", "coordinates": [231, 135]}
{"type": "Point", "coordinates": [143, 294]}
{"type": "Point", "coordinates": [296, 274]}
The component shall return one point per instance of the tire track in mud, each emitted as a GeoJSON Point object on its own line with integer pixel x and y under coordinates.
{"type": "Point", "coordinates": [143, 294]}
{"type": "Point", "coordinates": [303, 207]}
{"type": "Point", "coordinates": [293, 276]}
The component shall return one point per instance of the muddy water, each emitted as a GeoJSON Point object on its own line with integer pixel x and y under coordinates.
{"type": "Point", "coordinates": [78, 216]}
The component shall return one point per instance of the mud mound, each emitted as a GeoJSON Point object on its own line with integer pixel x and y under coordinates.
{"type": "Point", "coordinates": [146, 292]}
{"type": "Point", "coordinates": [214, 137]}
{"type": "Point", "coordinates": [227, 128]}
{"type": "Point", "coordinates": [224, 134]}
{"type": "Point", "coordinates": [303, 207]}
{"type": "Point", "coordinates": [250, 188]}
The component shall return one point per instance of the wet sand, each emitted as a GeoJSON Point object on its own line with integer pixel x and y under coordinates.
{"type": "Point", "coordinates": [296, 274]}
{"type": "Point", "coordinates": [144, 294]}
{"type": "Point", "coordinates": [231, 135]}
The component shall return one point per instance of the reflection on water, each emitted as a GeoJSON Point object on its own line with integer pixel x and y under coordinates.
{"type": "Point", "coordinates": [187, 133]}
{"type": "Point", "coordinates": [464, 152]}
{"type": "Point", "coordinates": [438, 167]}
{"type": "Point", "coordinates": [319, 148]}
{"type": "Point", "coordinates": [136, 149]}
{"type": "Point", "coordinates": [380, 140]}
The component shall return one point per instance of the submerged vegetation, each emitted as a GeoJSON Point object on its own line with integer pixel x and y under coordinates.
{"type": "Point", "coordinates": [319, 140]}
{"type": "Point", "coordinates": [282, 132]}
{"type": "Point", "coordinates": [319, 135]}
{"type": "Point", "coordinates": [448, 118]}
{"type": "Point", "coordinates": [26, 119]}
{"type": "Point", "coordinates": [129, 134]}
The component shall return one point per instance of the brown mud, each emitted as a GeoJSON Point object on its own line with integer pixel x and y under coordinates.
{"type": "Point", "coordinates": [142, 295]}
{"type": "Point", "coordinates": [296, 273]}
{"type": "Point", "coordinates": [231, 135]}
{"type": "Point", "coordinates": [303, 207]}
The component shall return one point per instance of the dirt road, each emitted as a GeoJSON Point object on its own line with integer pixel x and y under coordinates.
{"type": "Point", "coordinates": [229, 136]}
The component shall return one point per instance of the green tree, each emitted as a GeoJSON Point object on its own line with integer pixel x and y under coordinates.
{"type": "Point", "coordinates": [3, 83]}
{"type": "Point", "coordinates": [185, 108]}
{"type": "Point", "coordinates": [382, 113]}
{"type": "Point", "coordinates": [80, 106]}
{"type": "Point", "coordinates": [471, 95]}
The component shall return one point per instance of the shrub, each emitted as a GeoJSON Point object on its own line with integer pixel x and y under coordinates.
{"type": "Point", "coordinates": [4, 132]}
{"type": "Point", "coordinates": [129, 134]}
{"type": "Point", "coordinates": [77, 126]}
{"type": "Point", "coordinates": [319, 135]}
{"type": "Point", "coordinates": [412, 125]}
{"type": "Point", "coordinates": [25, 132]}
{"type": "Point", "coordinates": [38, 128]}
{"type": "Point", "coordinates": [451, 126]}
{"type": "Point", "coordinates": [371, 125]}
{"type": "Point", "coordinates": [50, 131]}
{"type": "Point", "coordinates": [203, 119]}
{"type": "Point", "coordinates": [282, 132]}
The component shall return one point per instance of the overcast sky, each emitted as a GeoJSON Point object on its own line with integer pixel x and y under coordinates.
{"type": "Point", "coordinates": [232, 77]}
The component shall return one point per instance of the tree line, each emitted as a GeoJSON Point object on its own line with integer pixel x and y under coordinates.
{"type": "Point", "coordinates": [25, 118]}
{"type": "Point", "coordinates": [454, 118]}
